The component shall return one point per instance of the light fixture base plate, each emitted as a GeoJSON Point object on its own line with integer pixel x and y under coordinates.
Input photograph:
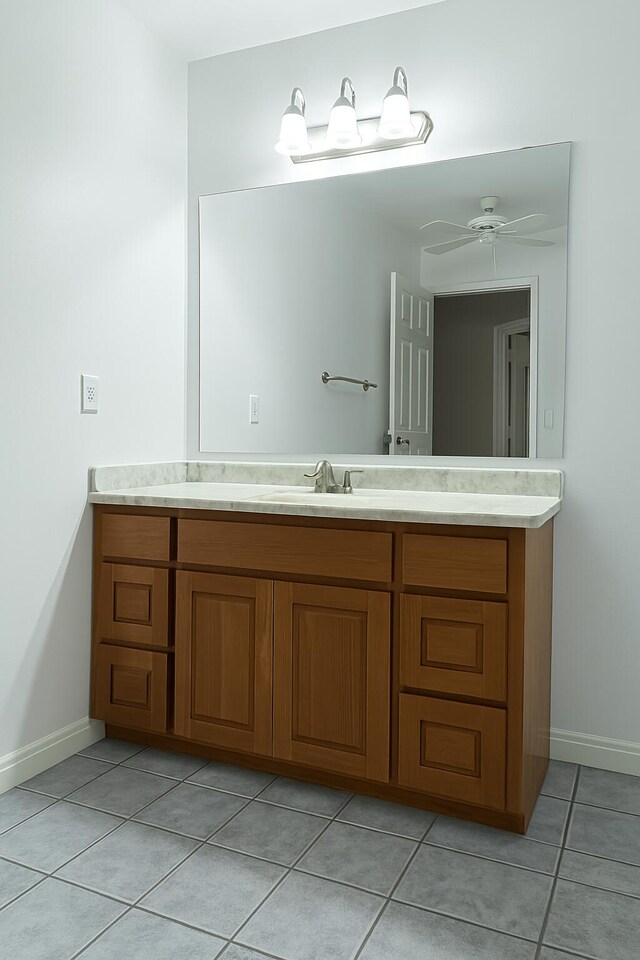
{"type": "Point", "coordinates": [372, 142]}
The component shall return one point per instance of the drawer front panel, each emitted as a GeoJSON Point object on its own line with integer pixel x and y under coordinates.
{"type": "Point", "coordinates": [455, 563]}
{"type": "Point", "coordinates": [346, 554]}
{"type": "Point", "coordinates": [131, 687]}
{"type": "Point", "coordinates": [136, 538]}
{"type": "Point", "coordinates": [454, 646]}
{"type": "Point", "coordinates": [134, 604]}
{"type": "Point", "coordinates": [453, 750]}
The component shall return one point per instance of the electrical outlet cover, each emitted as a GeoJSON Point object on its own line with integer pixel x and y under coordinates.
{"type": "Point", "coordinates": [90, 393]}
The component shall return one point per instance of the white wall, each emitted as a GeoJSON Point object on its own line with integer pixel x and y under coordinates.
{"type": "Point", "coordinates": [543, 71]}
{"type": "Point", "coordinates": [93, 160]}
{"type": "Point", "coordinates": [293, 283]}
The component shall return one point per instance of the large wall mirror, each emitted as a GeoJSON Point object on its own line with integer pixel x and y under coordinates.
{"type": "Point", "coordinates": [412, 311]}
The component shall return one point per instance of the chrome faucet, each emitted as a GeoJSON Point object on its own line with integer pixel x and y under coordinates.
{"type": "Point", "coordinates": [326, 481]}
{"type": "Point", "coordinates": [324, 478]}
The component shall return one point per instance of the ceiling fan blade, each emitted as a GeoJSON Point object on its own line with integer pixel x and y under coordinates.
{"type": "Point", "coordinates": [450, 245]}
{"type": "Point", "coordinates": [440, 230]}
{"type": "Point", "coordinates": [534, 223]}
{"type": "Point", "coordinates": [528, 241]}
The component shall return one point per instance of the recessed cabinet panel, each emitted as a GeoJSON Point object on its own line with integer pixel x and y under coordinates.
{"type": "Point", "coordinates": [134, 604]}
{"type": "Point", "coordinates": [131, 688]}
{"type": "Point", "coordinates": [332, 650]}
{"type": "Point", "coordinates": [329, 653]}
{"type": "Point", "coordinates": [454, 750]}
{"type": "Point", "coordinates": [454, 646]}
{"type": "Point", "coordinates": [224, 660]}
{"type": "Point", "coordinates": [455, 563]}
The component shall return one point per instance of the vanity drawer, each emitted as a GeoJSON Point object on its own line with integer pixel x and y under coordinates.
{"type": "Point", "coordinates": [131, 687]}
{"type": "Point", "coordinates": [453, 750]}
{"type": "Point", "coordinates": [134, 604]}
{"type": "Point", "coordinates": [455, 563]}
{"type": "Point", "coordinates": [135, 538]}
{"type": "Point", "coordinates": [454, 646]}
{"type": "Point", "coordinates": [343, 554]}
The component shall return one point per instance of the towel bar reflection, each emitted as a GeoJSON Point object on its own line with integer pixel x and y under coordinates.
{"type": "Point", "coordinates": [365, 384]}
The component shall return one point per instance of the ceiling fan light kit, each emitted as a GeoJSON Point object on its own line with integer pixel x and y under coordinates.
{"type": "Point", "coordinates": [345, 135]}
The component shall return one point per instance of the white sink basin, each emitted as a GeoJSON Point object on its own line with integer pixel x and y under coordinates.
{"type": "Point", "coordinates": [309, 498]}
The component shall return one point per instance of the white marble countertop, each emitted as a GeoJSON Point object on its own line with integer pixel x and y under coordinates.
{"type": "Point", "coordinates": [479, 505]}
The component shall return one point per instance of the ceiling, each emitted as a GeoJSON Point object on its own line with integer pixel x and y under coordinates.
{"type": "Point", "coordinates": [204, 28]}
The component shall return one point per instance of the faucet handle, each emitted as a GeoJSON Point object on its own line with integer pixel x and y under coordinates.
{"type": "Point", "coordinates": [346, 483]}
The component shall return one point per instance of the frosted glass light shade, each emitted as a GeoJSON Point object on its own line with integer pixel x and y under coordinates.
{"type": "Point", "coordinates": [395, 122]}
{"type": "Point", "coordinates": [293, 139]}
{"type": "Point", "coordinates": [342, 131]}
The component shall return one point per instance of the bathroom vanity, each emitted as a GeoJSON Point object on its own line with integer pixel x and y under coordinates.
{"type": "Point", "coordinates": [395, 642]}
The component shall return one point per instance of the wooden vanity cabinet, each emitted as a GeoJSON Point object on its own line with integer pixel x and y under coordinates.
{"type": "Point", "coordinates": [405, 661]}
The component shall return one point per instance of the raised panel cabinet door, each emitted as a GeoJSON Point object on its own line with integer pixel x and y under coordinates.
{"type": "Point", "coordinates": [131, 687]}
{"type": "Point", "coordinates": [134, 604]}
{"type": "Point", "coordinates": [454, 646]}
{"type": "Point", "coordinates": [453, 750]}
{"type": "Point", "coordinates": [224, 653]}
{"type": "Point", "coordinates": [331, 679]}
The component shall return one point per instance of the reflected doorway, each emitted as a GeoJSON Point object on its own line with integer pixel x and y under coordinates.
{"type": "Point", "coordinates": [483, 371]}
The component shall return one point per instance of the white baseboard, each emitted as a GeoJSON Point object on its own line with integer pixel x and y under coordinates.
{"type": "Point", "coordinates": [621, 756]}
{"type": "Point", "coordinates": [22, 764]}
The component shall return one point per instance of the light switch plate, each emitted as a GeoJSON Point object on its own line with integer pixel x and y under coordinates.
{"type": "Point", "coordinates": [90, 393]}
{"type": "Point", "coordinates": [254, 408]}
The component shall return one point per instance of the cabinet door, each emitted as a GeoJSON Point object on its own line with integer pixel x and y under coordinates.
{"type": "Point", "coordinates": [453, 750]}
{"type": "Point", "coordinates": [224, 661]}
{"type": "Point", "coordinates": [332, 649]}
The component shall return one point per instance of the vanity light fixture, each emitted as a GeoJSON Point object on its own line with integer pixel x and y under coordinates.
{"type": "Point", "coordinates": [294, 138]}
{"type": "Point", "coordinates": [345, 135]}
{"type": "Point", "coordinates": [342, 132]}
{"type": "Point", "coordinates": [395, 122]}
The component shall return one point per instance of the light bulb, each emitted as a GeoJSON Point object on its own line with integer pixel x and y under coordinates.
{"type": "Point", "coordinates": [342, 131]}
{"type": "Point", "coordinates": [395, 122]}
{"type": "Point", "coordinates": [294, 138]}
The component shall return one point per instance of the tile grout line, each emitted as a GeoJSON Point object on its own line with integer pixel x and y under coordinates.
{"type": "Point", "coordinates": [394, 887]}
{"type": "Point", "coordinates": [123, 819]}
{"type": "Point", "coordinates": [294, 867]}
{"type": "Point", "coordinates": [289, 870]}
{"type": "Point", "coordinates": [565, 834]}
{"type": "Point", "coordinates": [131, 906]}
{"type": "Point", "coordinates": [481, 856]}
{"type": "Point", "coordinates": [137, 902]}
{"type": "Point", "coordinates": [32, 887]}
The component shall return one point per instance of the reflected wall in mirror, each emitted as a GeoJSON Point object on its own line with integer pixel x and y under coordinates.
{"type": "Point", "coordinates": [460, 324]}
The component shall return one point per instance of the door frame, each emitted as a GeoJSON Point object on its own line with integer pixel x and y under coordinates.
{"type": "Point", "coordinates": [500, 398]}
{"type": "Point", "coordinates": [497, 286]}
